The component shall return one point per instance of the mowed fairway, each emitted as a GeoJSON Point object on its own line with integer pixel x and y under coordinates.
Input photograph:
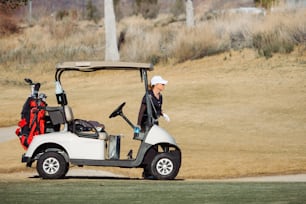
{"type": "Point", "coordinates": [139, 191]}
{"type": "Point", "coordinates": [234, 114]}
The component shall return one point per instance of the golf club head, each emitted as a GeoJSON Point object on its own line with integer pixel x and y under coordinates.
{"type": "Point", "coordinates": [29, 81]}
{"type": "Point", "coordinates": [37, 86]}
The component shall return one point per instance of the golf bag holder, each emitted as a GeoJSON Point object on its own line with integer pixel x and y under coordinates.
{"type": "Point", "coordinates": [32, 121]}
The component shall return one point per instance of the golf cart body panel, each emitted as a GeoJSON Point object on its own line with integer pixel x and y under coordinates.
{"type": "Point", "coordinates": [86, 151]}
{"type": "Point", "coordinates": [76, 147]}
{"type": "Point", "coordinates": [125, 163]}
{"type": "Point", "coordinates": [158, 135]}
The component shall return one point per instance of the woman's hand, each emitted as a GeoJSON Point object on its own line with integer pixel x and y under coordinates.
{"type": "Point", "coordinates": [166, 117]}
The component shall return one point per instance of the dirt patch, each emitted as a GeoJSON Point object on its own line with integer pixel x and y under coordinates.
{"type": "Point", "coordinates": [7, 133]}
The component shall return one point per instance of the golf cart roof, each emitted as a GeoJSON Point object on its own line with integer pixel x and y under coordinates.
{"type": "Point", "coordinates": [90, 66]}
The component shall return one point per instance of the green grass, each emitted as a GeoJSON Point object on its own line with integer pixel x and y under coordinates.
{"type": "Point", "coordinates": [138, 191]}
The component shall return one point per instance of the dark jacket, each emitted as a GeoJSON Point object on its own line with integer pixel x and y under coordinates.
{"type": "Point", "coordinates": [156, 109]}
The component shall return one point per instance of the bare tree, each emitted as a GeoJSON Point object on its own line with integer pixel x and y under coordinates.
{"type": "Point", "coordinates": [147, 8]}
{"type": "Point", "coordinates": [8, 23]}
{"type": "Point", "coordinates": [265, 3]}
{"type": "Point", "coordinates": [30, 12]}
{"type": "Point", "coordinates": [12, 4]}
{"type": "Point", "coordinates": [111, 49]}
{"type": "Point", "coordinates": [189, 14]}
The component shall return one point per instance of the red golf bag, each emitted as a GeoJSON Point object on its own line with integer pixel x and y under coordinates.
{"type": "Point", "coordinates": [32, 117]}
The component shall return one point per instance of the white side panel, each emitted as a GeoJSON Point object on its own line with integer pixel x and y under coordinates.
{"type": "Point", "coordinates": [84, 148]}
{"type": "Point", "coordinates": [159, 135]}
{"type": "Point", "coordinates": [76, 147]}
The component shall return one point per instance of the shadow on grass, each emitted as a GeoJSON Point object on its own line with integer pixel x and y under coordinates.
{"type": "Point", "coordinates": [105, 178]}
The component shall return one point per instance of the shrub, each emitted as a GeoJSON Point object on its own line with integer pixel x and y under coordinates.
{"type": "Point", "coordinates": [195, 44]}
{"type": "Point", "coordinates": [92, 12]}
{"type": "Point", "coordinates": [147, 8]}
{"type": "Point", "coordinates": [8, 25]}
{"type": "Point", "coordinates": [265, 3]}
{"type": "Point", "coordinates": [277, 40]}
{"type": "Point", "coordinates": [61, 14]}
{"type": "Point", "coordinates": [178, 8]}
{"type": "Point", "coordinates": [269, 43]}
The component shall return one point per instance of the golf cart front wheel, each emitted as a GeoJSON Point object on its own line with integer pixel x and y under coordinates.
{"type": "Point", "coordinates": [52, 165]}
{"type": "Point", "coordinates": [164, 167]}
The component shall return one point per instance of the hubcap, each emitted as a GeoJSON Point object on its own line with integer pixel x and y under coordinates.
{"type": "Point", "coordinates": [164, 166]}
{"type": "Point", "coordinates": [51, 165]}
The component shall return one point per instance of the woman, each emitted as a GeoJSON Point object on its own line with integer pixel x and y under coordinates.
{"type": "Point", "coordinates": [156, 87]}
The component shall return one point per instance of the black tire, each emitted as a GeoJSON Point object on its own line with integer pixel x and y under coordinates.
{"type": "Point", "coordinates": [165, 166]}
{"type": "Point", "coordinates": [52, 165]}
{"type": "Point", "coordinates": [146, 174]}
{"type": "Point", "coordinates": [66, 170]}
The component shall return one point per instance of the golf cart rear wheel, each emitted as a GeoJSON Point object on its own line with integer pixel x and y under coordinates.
{"type": "Point", "coordinates": [164, 166]}
{"type": "Point", "coordinates": [52, 165]}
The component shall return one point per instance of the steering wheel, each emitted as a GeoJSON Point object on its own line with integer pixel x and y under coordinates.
{"type": "Point", "coordinates": [117, 111]}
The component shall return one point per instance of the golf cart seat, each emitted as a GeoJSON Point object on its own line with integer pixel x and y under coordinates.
{"type": "Point", "coordinates": [68, 114]}
{"type": "Point", "coordinates": [60, 115]}
{"type": "Point", "coordinates": [55, 117]}
{"type": "Point", "coordinates": [88, 129]}
{"type": "Point", "coordinates": [84, 128]}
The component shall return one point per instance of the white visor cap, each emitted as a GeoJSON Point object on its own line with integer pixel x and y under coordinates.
{"type": "Point", "coordinates": [158, 80]}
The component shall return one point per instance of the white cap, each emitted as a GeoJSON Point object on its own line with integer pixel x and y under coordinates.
{"type": "Point", "coordinates": [158, 80]}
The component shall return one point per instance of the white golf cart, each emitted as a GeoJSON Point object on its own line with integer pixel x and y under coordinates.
{"type": "Point", "coordinates": [81, 142]}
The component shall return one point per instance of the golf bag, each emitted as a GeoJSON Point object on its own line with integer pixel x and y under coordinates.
{"type": "Point", "coordinates": [32, 117]}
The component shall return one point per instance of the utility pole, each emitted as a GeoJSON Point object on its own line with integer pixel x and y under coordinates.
{"type": "Point", "coordinates": [83, 9]}
{"type": "Point", "coordinates": [30, 12]}
{"type": "Point", "coordinates": [189, 14]}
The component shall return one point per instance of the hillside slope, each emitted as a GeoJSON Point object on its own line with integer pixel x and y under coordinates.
{"type": "Point", "coordinates": [234, 114]}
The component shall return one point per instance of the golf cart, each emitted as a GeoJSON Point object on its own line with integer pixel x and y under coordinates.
{"type": "Point", "coordinates": [86, 143]}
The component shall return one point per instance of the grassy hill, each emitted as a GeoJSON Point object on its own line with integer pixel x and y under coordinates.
{"type": "Point", "coordinates": [236, 117]}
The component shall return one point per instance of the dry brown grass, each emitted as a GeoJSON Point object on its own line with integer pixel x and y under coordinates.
{"type": "Point", "coordinates": [236, 117]}
{"type": "Point", "coordinates": [243, 115]}
{"type": "Point", "coordinates": [145, 40]}
{"type": "Point", "coordinates": [274, 33]}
